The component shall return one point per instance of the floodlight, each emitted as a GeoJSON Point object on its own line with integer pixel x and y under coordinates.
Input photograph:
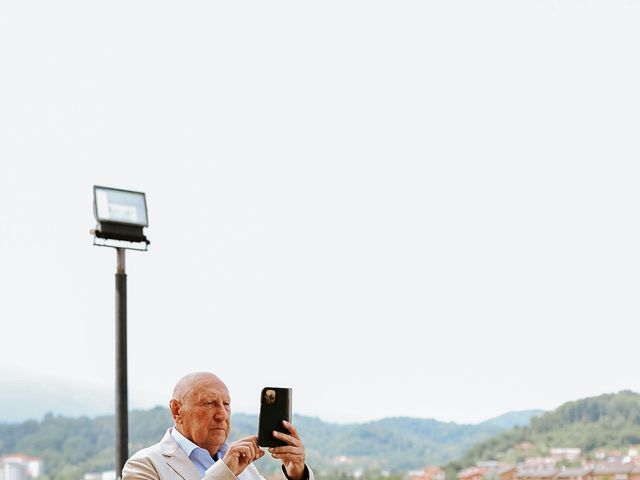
{"type": "Point", "coordinates": [121, 215]}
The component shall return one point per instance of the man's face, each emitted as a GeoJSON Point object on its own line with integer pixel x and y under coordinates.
{"type": "Point", "coordinates": [204, 415]}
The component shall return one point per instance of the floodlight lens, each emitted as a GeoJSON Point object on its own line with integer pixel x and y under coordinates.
{"type": "Point", "coordinates": [120, 206]}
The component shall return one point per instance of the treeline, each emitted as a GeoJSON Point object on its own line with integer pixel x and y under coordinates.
{"type": "Point", "coordinates": [70, 447]}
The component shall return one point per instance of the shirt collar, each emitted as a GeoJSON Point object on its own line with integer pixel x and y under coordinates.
{"type": "Point", "coordinates": [188, 446]}
{"type": "Point", "coordinates": [185, 444]}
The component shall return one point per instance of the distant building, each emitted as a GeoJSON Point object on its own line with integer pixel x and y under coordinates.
{"type": "Point", "coordinates": [108, 475]}
{"type": "Point", "coordinates": [634, 474]}
{"type": "Point", "coordinates": [612, 456]}
{"type": "Point", "coordinates": [13, 471]}
{"type": "Point", "coordinates": [536, 473]}
{"type": "Point", "coordinates": [612, 471]}
{"type": "Point", "coordinates": [578, 473]}
{"type": "Point", "coordinates": [427, 473]}
{"type": "Point", "coordinates": [538, 463]}
{"type": "Point", "coordinates": [570, 454]}
{"type": "Point", "coordinates": [601, 471]}
{"type": "Point", "coordinates": [18, 466]}
{"type": "Point", "coordinates": [473, 473]}
{"type": "Point", "coordinates": [507, 472]}
{"type": "Point", "coordinates": [489, 470]}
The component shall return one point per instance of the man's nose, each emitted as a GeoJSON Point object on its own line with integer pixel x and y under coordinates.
{"type": "Point", "coordinates": [221, 414]}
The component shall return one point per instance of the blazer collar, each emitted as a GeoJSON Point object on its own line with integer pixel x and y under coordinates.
{"type": "Point", "coordinates": [177, 459]}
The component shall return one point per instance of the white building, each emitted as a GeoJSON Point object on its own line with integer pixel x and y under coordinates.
{"type": "Point", "coordinates": [20, 467]}
{"type": "Point", "coordinates": [570, 454]}
{"type": "Point", "coordinates": [108, 475]}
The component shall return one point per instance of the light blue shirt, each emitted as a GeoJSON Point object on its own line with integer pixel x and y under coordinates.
{"type": "Point", "coordinates": [200, 457]}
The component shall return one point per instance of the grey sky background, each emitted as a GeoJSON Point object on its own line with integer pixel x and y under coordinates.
{"type": "Point", "coordinates": [396, 208]}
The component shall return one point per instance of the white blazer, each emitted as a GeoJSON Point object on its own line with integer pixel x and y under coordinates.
{"type": "Point", "coordinates": [167, 461]}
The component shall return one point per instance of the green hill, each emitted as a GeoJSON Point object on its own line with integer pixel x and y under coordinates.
{"type": "Point", "coordinates": [609, 421]}
{"type": "Point", "coordinates": [71, 447]}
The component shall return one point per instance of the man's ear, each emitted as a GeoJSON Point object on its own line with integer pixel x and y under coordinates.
{"type": "Point", "coordinates": [174, 406]}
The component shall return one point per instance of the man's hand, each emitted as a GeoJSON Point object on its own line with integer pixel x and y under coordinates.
{"type": "Point", "coordinates": [241, 453]}
{"type": "Point", "coordinates": [292, 454]}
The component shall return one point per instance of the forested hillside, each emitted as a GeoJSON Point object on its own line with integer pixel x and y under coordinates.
{"type": "Point", "coordinates": [608, 421]}
{"type": "Point", "coordinates": [72, 446]}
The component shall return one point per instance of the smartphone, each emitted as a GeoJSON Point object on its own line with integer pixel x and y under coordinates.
{"type": "Point", "coordinates": [275, 406]}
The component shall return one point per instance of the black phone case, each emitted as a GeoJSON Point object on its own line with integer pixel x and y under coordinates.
{"type": "Point", "coordinates": [275, 406]}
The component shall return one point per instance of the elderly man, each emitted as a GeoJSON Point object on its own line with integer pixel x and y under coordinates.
{"type": "Point", "coordinates": [196, 446]}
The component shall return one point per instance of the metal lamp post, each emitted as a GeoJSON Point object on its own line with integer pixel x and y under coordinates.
{"type": "Point", "coordinates": [121, 216]}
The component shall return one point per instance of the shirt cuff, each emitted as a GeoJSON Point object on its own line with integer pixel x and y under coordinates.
{"type": "Point", "coordinates": [219, 471]}
{"type": "Point", "coordinates": [305, 474]}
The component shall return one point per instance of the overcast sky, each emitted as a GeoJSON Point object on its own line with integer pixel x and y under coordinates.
{"type": "Point", "coordinates": [421, 208]}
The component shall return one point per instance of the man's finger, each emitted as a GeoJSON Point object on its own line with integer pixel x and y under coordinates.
{"type": "Point", "coordinates": [289, 450]}
{"type": "Point", "coordinates": [288, 457]}
{"type": "Point", "coordinates": [251, 444]}
{"type": "Point", "coordinates": [291, 428]}
{"type": "Point", "coordinates": [252, 451]}
{"type": "Point", "coordinates": [287, 438]}
{"type": "Point", "coordinates": [244, 451]}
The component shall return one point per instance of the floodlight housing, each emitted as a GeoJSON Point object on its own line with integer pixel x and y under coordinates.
{"type": "Point", "coordinates": [121, 214]}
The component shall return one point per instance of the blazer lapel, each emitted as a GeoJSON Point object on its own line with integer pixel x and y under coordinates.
{"type": "Point", "coordinates": [177, 459]}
